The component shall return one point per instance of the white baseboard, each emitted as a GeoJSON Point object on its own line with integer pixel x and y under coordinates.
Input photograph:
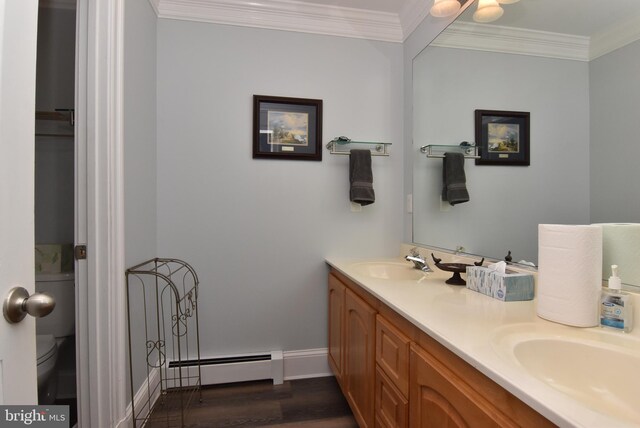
{"type": "Point", "coordinates": [306, 363]}
{"type": "Point", "coordinates": [287, 365]}
{"type": "Point", "coordinates": [144, 399]}
{"type": "Point", "coordinates": [272, 368]}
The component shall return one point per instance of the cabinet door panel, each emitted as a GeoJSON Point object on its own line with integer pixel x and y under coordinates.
{"type": "Point", "coordinates": [359, 357]}
{"type": "Point", "coordinates": [392, 354]}
{"type": "Point", "coordinates": [439, 398]}
{"type": "Point", "coordinates": [336, 326]}
{"type": "Point", "coordinates": [392, 409]}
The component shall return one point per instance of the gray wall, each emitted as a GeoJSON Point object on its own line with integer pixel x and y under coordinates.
{"type": "Point", "coordinates": [506, 202]}
{"type": "Point", "coordinates": [140, 131]}
{"type": "Point", "coordinates": [257, 231]}
{"type": "Point", "coordinates": [139, 155]}
{"type": "Point", "coordinates": [615, 109]}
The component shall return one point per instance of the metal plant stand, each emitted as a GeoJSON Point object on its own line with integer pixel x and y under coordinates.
{"type": "Point", "coordinates": [164, 344]}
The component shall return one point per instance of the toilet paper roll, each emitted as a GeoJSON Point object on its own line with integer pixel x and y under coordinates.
{"type": "Point", "coordinates": [569, 273]}
{"type": "Point", "coordinates": [621, 246]}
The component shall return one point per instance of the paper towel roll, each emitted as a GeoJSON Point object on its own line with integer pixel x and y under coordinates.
{"type": "Point", "coordinates": [621, 246]}
{"type": "Point", "coordinates": [569, 273]}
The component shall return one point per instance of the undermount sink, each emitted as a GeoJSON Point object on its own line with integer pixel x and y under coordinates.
{"type": "Point", "coordinates": [398, 271]}
{"type": "Point", "coordinates": [597, 368]}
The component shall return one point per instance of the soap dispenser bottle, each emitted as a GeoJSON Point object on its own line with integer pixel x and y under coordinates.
{"type": "Point", "coordinates": [616, 310]}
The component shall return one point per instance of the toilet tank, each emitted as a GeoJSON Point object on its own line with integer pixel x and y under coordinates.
{"type": "Point", "coordinates": [62, 321]}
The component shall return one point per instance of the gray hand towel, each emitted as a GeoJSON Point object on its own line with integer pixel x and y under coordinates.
{"type": "Point", "coordinates": [361, 177]}
{"type": "Point", "coordinates": [454, 188]}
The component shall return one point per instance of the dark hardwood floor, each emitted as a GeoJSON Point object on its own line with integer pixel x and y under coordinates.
{"type": "Point", "coordinates": [306, 403]}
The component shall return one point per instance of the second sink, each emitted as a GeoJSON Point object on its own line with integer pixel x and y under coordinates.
{"type": "Point", "coordinates": [597, 368]}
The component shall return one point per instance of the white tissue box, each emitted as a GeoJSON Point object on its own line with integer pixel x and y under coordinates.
{"type": "Point", "coordinates": [507, 287]}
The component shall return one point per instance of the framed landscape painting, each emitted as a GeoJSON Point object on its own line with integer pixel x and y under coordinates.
{"type": "Point", "coordinates": [287, 128]}
{"type": "Point", "coordinates": [503, 137]}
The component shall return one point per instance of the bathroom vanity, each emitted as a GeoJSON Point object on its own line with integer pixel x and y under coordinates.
{"type": "Point", "coordinates": [373, 350]}
{"type": "Point", "coordinates": [409, 350]}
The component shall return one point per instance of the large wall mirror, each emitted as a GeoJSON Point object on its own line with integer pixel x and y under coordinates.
{"type": "Point", "coordinates": [574, 66]}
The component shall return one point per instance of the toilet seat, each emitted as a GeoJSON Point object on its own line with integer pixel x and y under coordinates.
{"type": "Point", "coordinates": [46, 347]}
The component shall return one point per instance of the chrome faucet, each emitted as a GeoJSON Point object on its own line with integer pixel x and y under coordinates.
{"type": "Point", "coordinates": [418, 261]}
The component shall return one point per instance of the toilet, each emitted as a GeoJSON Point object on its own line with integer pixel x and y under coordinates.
{"type": "Point", "coordinates": [47, 356]}
{"type": "Point", "coordinates": [53, 331]}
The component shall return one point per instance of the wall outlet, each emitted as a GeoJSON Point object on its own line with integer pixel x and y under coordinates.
{"type": "Point", "coordinates": [410, 203]}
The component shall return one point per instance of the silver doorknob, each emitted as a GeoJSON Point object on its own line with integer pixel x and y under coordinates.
{"type": "Point", "coordinates": [18, 304]}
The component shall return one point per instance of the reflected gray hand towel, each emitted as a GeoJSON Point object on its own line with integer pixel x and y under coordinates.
{"type": "Point", "coordinates": [454, 187]}
{"type": "Point", "coordinates": [361, 177]}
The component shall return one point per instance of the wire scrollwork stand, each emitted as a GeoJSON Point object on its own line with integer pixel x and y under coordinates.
{"type": "Point", "coordinates": [164, 341]}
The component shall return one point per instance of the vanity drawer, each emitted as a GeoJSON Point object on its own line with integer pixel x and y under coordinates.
{"type": "Point", "coordinates": [392, 354]}
{"type": "Point", "coordinates": [392, 408]}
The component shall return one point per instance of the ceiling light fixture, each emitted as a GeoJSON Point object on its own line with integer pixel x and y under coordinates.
{"type": "Point", "coordinates": [488, 11]}
{"type": "Point", "coordinates": [443, 8]}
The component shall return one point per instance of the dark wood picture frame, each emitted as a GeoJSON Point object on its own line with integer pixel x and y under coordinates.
{"type": "Point", "coordinates": [287, 128]}
{"type": "Point", "coordinates": [503, 137]}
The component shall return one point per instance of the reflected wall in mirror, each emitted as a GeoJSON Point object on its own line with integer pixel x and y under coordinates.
{"type": "Point", "coordinates": [574, 66]}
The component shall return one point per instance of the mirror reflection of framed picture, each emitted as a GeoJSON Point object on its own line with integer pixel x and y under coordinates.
{"type": "Point", "coordinates": [287, 128]}
{"type": "Point", "coordinates": [503, 137]}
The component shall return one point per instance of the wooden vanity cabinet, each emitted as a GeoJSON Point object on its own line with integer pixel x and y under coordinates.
{"type": "Point", "coordinates": [440, 398]}
{"type": "Point", "coordinates": [394, 375]}
{"type": "Point", "coordinates": [336, 326]}
{"type": "Point", "coordinates": [352, 332]}
{"type": "Point", "coordinates": [359, 357]}
{"type": "Point", "coordinates": [391, 407]}
{"type": "Point", "coordinates": [392, 353]}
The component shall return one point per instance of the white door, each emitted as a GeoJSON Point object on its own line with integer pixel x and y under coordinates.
{"type": "Point", "coordinates": [18, 31]}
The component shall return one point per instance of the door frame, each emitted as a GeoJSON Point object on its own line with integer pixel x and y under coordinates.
{"type": "Point", "coordinates": [100, 298]}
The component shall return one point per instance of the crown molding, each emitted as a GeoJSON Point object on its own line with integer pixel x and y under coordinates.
{"type": "Point", "coordinates": [288, 15]}
{"type": "Point", "coordinates": [58, 4]}
{"type": "Point", "coordinates": [495, 38]}
{"type": "Point", "coordinates": [615, 37]}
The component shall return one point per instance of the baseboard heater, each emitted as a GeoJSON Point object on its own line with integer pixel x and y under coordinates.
{"type": "Point", "coordinates": [238, 368]}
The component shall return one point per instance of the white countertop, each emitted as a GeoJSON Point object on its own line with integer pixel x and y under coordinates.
{"type": "Point", "coordinates": [466, 322]}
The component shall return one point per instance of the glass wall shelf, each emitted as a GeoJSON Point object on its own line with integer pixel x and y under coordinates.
{"type": "Point", "coordinates": [469, 150]}
{"type": "Point", "coordinates": [343, 146]}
